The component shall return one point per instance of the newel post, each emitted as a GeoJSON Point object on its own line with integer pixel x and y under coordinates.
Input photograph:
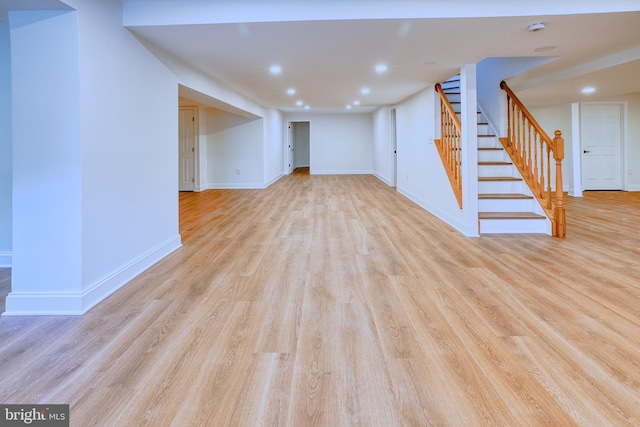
{"type": "Point", "coordinates": [559, 214]}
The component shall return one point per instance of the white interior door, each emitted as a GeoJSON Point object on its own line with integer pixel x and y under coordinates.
{"type": "Point", "coordinates": [187, 151]}
{"type": "Point", "coordinates": [601, 132]}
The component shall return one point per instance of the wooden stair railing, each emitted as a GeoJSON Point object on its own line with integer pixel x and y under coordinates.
{"type": "Point", "coordinates": [450, 144]}
{"type": "Point", "coordinates": [532, 151]}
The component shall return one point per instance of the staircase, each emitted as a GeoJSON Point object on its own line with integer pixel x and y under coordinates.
{"type": "Point", "coordinates": [505, 203]}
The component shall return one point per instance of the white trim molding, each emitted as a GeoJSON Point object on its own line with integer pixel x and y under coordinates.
{"type": "Point", "coordinates": [383, 179]}
{"type": "Point", "coordinates": [5, 259]}
{"type": "Point", "coordinates": [341, 172]}
{"type": "Point", "coordinates": [469, 231]}
{"type": "Point", "coordinates": [78, 303]}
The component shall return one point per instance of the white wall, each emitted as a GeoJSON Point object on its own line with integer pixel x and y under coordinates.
{"type": "Point", "coordinates": [203, 167]}
{"type": "Point", "coordinates": [273, 146]}
{"type": "Point", "coordinates": [95, 159]}
{"type": "Point", "coordinates": [235, 157]}
{"type": "Point", "coordinates": [421, 175]}
{"type": "Point", "coordinates": [490, 72]}
{"type": "Point", "coordinates": [129, 138]}
{"type": "Point", "coordinates": [383, 145]}
{"type": "Point", "coordinates": [5, 146]}
{"type": "Point", "coordinates": [559, 118]}
{"type": "Point", "coordinates": [340, 143]}
{"type": "Point", "coordinates": [47, 165]}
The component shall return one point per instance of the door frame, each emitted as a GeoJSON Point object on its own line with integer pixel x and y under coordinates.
{"type": "Point", "coordinates": [577, 161]}
{"type": "Point", "coordinates": [393, 117]}
{"type": "Point", "coordinates": [196, 146]}
{"type": "Point", "coordinates": [288, 148]}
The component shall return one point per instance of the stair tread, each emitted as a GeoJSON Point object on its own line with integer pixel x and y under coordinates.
{"type": "Point", "coordinates": [509, 215]}
{"type": "Point", "coordinates": [498, 178]}
{"type": "Point", "coordinates": [494, 163]}
{"type": "Point", "coordinates": [504, 196]}
{"type": "Point", "coordinates": [491, 148]}
{"type": "Point", "coordinates": [486, 135]}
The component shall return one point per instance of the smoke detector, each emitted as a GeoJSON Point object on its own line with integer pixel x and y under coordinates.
{"type": "Point", "coordinates": [536, 27]}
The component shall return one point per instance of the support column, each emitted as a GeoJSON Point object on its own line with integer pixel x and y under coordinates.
{"type": "Point", "coordinates": [469, 122]}
{"type": "Point", "coordinates": [5, 144]}
{"type": "Point", "coordinates": [46, 275]}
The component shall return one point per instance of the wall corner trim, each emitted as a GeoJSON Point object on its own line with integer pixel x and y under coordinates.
{"type": "Point", "coordinates": [78, 303]}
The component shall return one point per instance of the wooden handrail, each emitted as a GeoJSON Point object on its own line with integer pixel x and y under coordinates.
{"type": "Point", "coordinates": [450, 144]}
{"type": "Point", "coordinates": [531, 151]}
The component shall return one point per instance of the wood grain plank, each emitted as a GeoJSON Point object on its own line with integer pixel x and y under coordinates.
{"type": "Point", "coordinates": [333, 300]}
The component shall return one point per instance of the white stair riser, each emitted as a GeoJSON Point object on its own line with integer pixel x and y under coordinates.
{"type": "Point", "coordinates": [488, 142]}
{"type": "Point", "coordinates": [498, 187]}
{"type": "Point", "coordinates": [450, 84]}
{"type": "Point", "coordinates": [493, 156]}
{"type": "Point", "coordinates": [454, 97]}
{"type": "Point", "coordinates": [483, 129]}
{"type": "Point", "coordinates": [503, 226]}
{"type": "Point", "coordinates": [480, 118]}
{"type": "Point", "coordinates": [495, 170]}
{"type": "Point", "coordinates": [505, 205]}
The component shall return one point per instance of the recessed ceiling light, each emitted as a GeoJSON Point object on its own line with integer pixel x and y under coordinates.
{"type": "Point", "coordinates": [588, 90]}
{"type": "Point", "coordinates": [381, 68]}
{"type": "Point", "coordinates": [275, 69]}
{"type": "Point", "coordinates": [291, 91]}
{"type": "Point", "coordinates": [306, 107]}
{"type": "Point", "coordinates": [356, 102]}
{"type": "Point", "coordinates": [349, 107]}
{"type": "Point", "coordinates": [365, 90]}
{"type": "Point", "coordinates": [299, 103]}
{"type": "Point", "coordinates": [544, 48]}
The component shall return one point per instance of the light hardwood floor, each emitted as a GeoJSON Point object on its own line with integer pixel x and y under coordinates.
{"type": "Point", "coordinates": [334, 301]}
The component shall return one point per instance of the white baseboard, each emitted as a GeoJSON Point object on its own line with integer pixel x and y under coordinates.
{"type": "Point", "coordinates": [629, 188]}
{"type": "Point", "coordinates": [235, 186]}
{"type": "Point", "coordinates": [277, 177]}
{"type": "Point", "coordinates": [467, 230]}
{"type": "Point", "coordinates": [340, 172]}
{"type": "Point", "coordinates": [78, 303]}
{"type": "Point", "coordinates": [5, 259]}
{"type": "Point", "coordinates": [383, 179]}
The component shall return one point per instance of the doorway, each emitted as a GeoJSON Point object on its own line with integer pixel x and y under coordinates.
{"type": "Point", "coordinates": [187, 149]}
{"type": "Point", "coordinates": [601, 130]}
{"type": "Point", "coordinates": [299, 146]}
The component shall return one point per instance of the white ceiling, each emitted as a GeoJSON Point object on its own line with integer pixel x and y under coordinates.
{"type": "Point", "coordinates": [328, 49]}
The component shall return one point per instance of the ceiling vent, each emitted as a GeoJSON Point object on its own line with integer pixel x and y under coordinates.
{"type": "Point", "coordinates": [536, 27]}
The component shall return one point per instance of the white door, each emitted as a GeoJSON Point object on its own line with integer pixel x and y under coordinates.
{"type": "Point", "coordinates": [187, 151]}
{"type": "Point", "coordinates": [601, 133]}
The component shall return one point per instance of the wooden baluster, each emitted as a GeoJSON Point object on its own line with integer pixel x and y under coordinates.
{"type": "Point", "coordinates": [509, 135]}
{"type": "Point", "coordinates": [559, 214]}
{"type": "Point", "coordinates": [530, 144]}
{"type": "Point", "coordinates": [519, 133]}
{"type": "Point", "coordinates": [548, 191]}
